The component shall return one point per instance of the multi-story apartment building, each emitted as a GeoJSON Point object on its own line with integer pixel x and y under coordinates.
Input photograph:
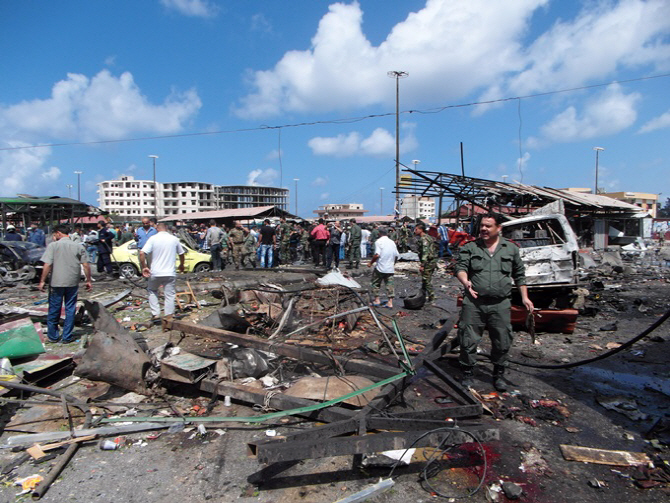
{"type": "Point", "coordinates": [417, 207]}
{"type": "Point", "coordinates": [644, 200]}
{"type": "Point", "coordinates": [128, 197]}
{"type": "Point", "coordinates": [340, 211]}
{"type": "Point", "coordinates": [249, 196]}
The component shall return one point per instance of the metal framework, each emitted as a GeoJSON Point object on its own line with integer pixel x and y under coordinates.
{"type": "Point", "coordinates": [329, 439]}
{"type": "Point", "coordinates": [513, 197]}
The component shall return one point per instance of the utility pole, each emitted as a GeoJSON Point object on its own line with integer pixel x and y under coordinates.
{"type": "Point", "coordinates": [397, 75]}
{"type": "Point", "coordinates": [69, 190]}
{"type": "Point", "coordinates": [598, 150]}
{"type": "Point", "coordinates": [78, 173]}
{"type": "Point", "coordinates": [154, 157]}
{"type": "Point", "coordinates": [381, 201]}
{"type": "Point", "coordinates": [296, 180]}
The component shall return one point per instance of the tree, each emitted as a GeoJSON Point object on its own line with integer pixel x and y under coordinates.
{"type": "Point", "coordinates": [664, 212]}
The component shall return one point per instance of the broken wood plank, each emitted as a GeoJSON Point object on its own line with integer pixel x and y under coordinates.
{"type": "Point", "coordinates": [603, 456]}
{"type": "Point", "coordinates": [298, 353]}
{"type": "Point", "coordinates": [38, 451]}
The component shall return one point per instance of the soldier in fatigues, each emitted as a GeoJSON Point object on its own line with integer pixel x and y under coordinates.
{"type": "Point", "coordinates": [249, 249]}
{"type": "Point", "coordinates": [236, 237]}
{"type": "Point", "coordinates": [403, 238]}
{"type": "Point", "coordinates": [487, 268]}
{"type": "Point", "coordinates": [304, 243]}
{"type": "Point", "coordinates": [284, 241]}
{"type": "Point", "coordinates": [354, 244]}
{"type": "Point", "coordinates": [428, 257]}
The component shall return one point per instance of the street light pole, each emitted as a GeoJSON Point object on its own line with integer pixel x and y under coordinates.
{"type": "Point", "coordinates": [381, 201]}
{"type": "Point", "coordinates": [78, 173]}
{"type": "Point", "coordinates": [296, 180]}
{"type": "Point", "coordinates": [397, 75]}
{"type": "Point", "coordinates": [69, 190]}
{"type": "Point", "coordinates": [598, 150]}
{"type": "Point", "coordinates": [154, 157]}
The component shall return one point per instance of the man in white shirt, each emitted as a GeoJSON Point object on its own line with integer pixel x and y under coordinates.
{"type": "Point", "coordinates": [365, 237]}
{"type": "Point", "coordinates": [163, 248]}
{"type": "Point", "coordinates": [384, 259]}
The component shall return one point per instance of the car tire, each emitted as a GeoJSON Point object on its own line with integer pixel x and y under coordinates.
{"type": "Point", "coordinates": [203, 267]}
{"type": "Point", "coordinates": [128, 270]}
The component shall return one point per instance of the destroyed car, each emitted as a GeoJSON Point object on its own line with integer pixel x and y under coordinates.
{"type": "Point", "coordinates": [20, 261]}
{"type": "Point", "coordinates": [549, 250]}
{"type": "Point", "coordinates": [127, 258]}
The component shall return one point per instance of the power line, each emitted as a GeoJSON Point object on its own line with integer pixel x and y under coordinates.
{"type": "Point", "coordinates": [347, 120]}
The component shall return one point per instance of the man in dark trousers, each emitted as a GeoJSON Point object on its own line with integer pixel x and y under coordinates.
{"type": "Point", "coordinates": [64, 259]}
{"type": "Point", "coordinates": [355, 236]}
{"type": "Point", "coordinates": [486, 268]}
{"type": "Point", "coordinates": [267, 242]}
{"type": "Point", "coordinates": [105, 245]}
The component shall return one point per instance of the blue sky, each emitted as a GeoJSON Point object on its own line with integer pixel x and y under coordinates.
{"type": "Point", "coordinates": [89, 71]}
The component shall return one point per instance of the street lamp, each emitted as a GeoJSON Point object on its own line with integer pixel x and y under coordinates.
{"type": "Point", "coordinates": [78, 173]}
{"type": "Point", "coordinates": [598, 150]}
{"type": "Point", "coordinates": [381, 200]}
{"type": "Point", "coordinates": [69, 190]}
{"type": "Point", "coordinates": [504, 177]}
{"type": "Point", "coordinates": [154, 157]}
{"type": "Point", "coordinates": [397, 75]}
{"type": "Point", "coordinates": [296, 180]}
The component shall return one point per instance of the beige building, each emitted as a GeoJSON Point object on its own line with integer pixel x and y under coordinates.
{"type": "Point", "coordinates": [417, 207]}
{"type": "Point", "coordinates": [644, 200]}
{"type": "Point", "coordinates": [340, 211]}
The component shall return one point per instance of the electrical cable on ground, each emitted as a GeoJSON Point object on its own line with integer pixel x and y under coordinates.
{"type": "Point", "coordinates": [607, 354]}
{"type": "Point", "coordinates": [438, 454]}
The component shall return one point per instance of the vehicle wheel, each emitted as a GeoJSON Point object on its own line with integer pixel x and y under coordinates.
{"type": "Point", "coordinates": [203, 267]}
{"type": "Point", "coordinates": [128, 270]}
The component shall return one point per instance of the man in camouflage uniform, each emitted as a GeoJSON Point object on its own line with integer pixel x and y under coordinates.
{"type": "Point", "coordinates": [285, 241]}
{"type": "Point", "coordinates": [236, 236]}
{"type": "Point", "coordinates": [304, 243]}
{"type": "Point", "coordinates": [354, 244]}
{"type": "Point", "coordinates": [428, 256]}
{"type": "Point", "coordinates": [225, 247]}
{"type": "Point", "coordinates": [374, 235]}
{"type": "Point", "coordinates": [403, 238]}
{"type": "Point", "coordinates": [248, 249]}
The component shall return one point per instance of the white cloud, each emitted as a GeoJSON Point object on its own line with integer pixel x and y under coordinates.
{"type": "Point", "coordinates": [452, 49]}
{"type": "Point", "coordinates": [602, 38]}
{"type": "Point", "coordinates": [609, 113]}
{"type": "Point", "coordinates": [103, 107]}
{"type": "Point", "coordinates": [51, 175]}
{"type": "Point", "coordinates": [324, 196]}
{"type": "Point", "coordinates": [110, 60]}
{"type": "Point", "coordinates": [320, 181]}
{"type": "Point", "coordinates": [380, 143]}
{"type": "Point", "coordinates": [262, 177]}
{"type": "Point", "coordinates": [660, 122]}
{"type": "Point", "coordinates": [23, 170]}
{"type": "Point", "coordinates": [192, 8]}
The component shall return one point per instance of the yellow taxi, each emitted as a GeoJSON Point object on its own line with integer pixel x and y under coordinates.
{"type": "Point", "coordinates": [127, 258]}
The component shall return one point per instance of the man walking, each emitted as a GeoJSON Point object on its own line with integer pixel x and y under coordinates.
{"type": "Point", "coordinates": [384, 259]}
{"type": "Point", "coordinates": [428, 258]}
{"type": "Point", "coordinates": [214, 237]}
{"type": "Point", "coordinates": [320, 235]}
{"type": "Point", "coordinates": [266, 243]}
{"type": "Point", "coordinates": [163, 249]}
{"type": "Point", "coordinates": [236, 237]}
{"type": "Point", "coordinates": [105, 245]}
{"type": "Point", "coordinates": [63, 258]}
{"type": "Point", "coordinates": [486, 268]}
{"type": "Point", "coordinates": [355, 236]}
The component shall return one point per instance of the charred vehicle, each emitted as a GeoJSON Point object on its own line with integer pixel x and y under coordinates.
{"type": "Point", "coordinates": [20, 261]}
{"type": "Point", "coordinates": [549, 250]}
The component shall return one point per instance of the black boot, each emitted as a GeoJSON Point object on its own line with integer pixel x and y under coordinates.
{"type": "Point", "coordinates": [498, 381]}
{"type": "Point", "coordinates": [467, 381]}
